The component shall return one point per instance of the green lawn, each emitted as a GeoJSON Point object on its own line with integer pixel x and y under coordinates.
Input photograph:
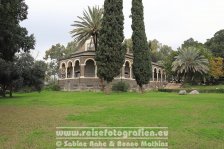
{"type": "Point", "coordinates": [30, 120]}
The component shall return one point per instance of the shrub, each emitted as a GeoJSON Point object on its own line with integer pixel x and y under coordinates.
{"type": "Point", "coordinates": [56, 87]}
{"type": "Point", "coordinates": [120, 87]}
{"type": "Point", "coordinates": [26, 89]}
{"type": "Point", "coordinates": [188, 90]}
{"type": "Point", "coordinates": [53, 87]}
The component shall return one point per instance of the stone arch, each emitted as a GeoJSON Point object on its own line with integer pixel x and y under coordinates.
{"type": "Point", "coordinates": [69, 69]}
{"type": "Point", "coordinates": [90, 59]}
{"type": "Point", "coordinates": [127, 69]}
{"type": "Point", "coordinates": [77, 68]}
{"type": "Point", "coordinates": [90, 68]}
{"type": "Point", "coordinates": [63, 64]}
{"type": "Point", "coordinates": [76, 61]}
{"type": "Point", "coordinates": [128, 62]}
{"type": "Point", "coordinates": [69, 62]}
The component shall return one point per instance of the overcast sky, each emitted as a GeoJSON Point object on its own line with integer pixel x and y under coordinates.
{"type": "Point", "coordinates": [169, 21]}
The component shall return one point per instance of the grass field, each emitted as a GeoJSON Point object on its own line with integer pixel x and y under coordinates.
{"type": "Point", "coordinates": [29, 121]}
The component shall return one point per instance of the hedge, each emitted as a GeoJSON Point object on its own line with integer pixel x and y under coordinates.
{"type": "Point", "coordinates": [189, 90]}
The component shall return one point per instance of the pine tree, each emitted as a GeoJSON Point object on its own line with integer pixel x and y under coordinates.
{"type": "Point", "coordinates": [110, 54]}
{"type": "Point", "coordinates": [142, 61]}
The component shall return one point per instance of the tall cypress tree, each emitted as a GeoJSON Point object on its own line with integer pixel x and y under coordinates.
{"type": "Point", "coordinates": [142, 61]}
{"type": "Point", "coordinates": [110, 53]}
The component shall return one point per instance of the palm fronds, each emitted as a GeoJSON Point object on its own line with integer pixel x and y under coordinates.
{"type": "Point", "coordinates": [88, 26]}
{"type": "Point", "coordinates": [190, 60]}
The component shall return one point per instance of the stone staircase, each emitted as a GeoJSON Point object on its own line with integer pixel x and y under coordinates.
{"type": "Point", "coordinates": [173, 86]}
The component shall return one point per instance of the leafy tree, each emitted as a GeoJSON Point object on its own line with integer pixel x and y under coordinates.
{"type": "Point", "coordinates": [88, 26]}
{"type": "Point", "coordinates": [128, 44]}
{"type": "Point", "coordinates": [201, 47]}
{"type": "Point", "coordinates": [55, 52]}
{"type": "Point", "coordinates": [70, 48]}
{"type": "Point", "coordinates": [189, 63]}
{"type": "Point", "coordinates": [163, 55]}
{"type": "Point", "coordinates": [110, 54]}
{"type": "Point", "coordinates": [216, 67]}
{"type": "Point", "coordinates": [216, 44]}
{"type": "Point", "coordinates": [13, 37]}
{"type": "Point", "coordinates": [32, 72]}
{"type": "Point", "coordinates": [167, 64]}
{"type": "Point", "coordinates": [38, 74]}
{"type": "Point", "coordinates": [25, 62]}
{"type": "Point", "coordinates": [154, 47]}
{"type": "Point", "coordinates": [165, 51]}
{"type": "Point", "coordinates": [52, 70]}
{"type": "Point", "coordinates": [142, 61]}
{"type": "Point", "coordinates": [158, 51]}
{"type": "Point", "coordinates": [8, 73]}
{"type": "Point", "coordinates": [191, 43]}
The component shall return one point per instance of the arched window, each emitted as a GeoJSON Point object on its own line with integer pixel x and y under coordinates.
{"type": "Point", "coordinates": [89, 68]}
{"type": "Point", "coordinates": [127, 70]}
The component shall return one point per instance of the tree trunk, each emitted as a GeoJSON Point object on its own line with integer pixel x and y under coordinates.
{"type": "Point", "coordinates": [95, 41]}
{"type": "Point", "coordinates": [10, 90]}
{"type": "Point", "coordinates": [3, 91]}
{"type": "Point", "coordinates": [102, 85]}
{"type": "Point", "coordinates": [107, 89]}
{"type": "Point", "coordinates": [55, 79]}
{"type": "Point", "coordinates": [10, 93]}
{"type": "Point", "coordinates": [204, 80]}
{"type": "Point", "coordinates": [141, 89]}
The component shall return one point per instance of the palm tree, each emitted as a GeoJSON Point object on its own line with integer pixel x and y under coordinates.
{"type": "Point", "coordinates": [189, 62]}
{"type": "Point", "coordinates": [88, 26]}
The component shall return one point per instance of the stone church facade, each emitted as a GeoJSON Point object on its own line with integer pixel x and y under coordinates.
{"type": "Point", "coordinates": [79, 72]}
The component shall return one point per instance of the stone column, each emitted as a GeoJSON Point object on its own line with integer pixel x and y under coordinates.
{"type": "Point", "coordinates": [165, 77]}
{"type": "Point", "coordinates": [130, 72]}
{"type": "Point", "coordinates": [66, 72]}
{"type": "Point", "coordinates": [73, 73]}
{"type": "Point", "coordinates": [153, 75]}
{"type": "Point", "coordinates": [82, 70]}
{"type": "Point", "coordinates": [123, 72]}
{"type": "Point", "coordinates": [161, 76]}
{"type": "Point", "coordinates": [157, 76]}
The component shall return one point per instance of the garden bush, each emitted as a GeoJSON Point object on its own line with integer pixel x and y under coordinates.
{"type": "Point", "coordinates": [188, 90]}
{"type": "Point", "coordinates": [120, 87]}
{"type": "Point", "coordinates": [52, 87]}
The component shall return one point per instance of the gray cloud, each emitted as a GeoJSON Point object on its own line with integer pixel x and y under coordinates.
{"type": "Point", "coordinates": [169, 21]}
